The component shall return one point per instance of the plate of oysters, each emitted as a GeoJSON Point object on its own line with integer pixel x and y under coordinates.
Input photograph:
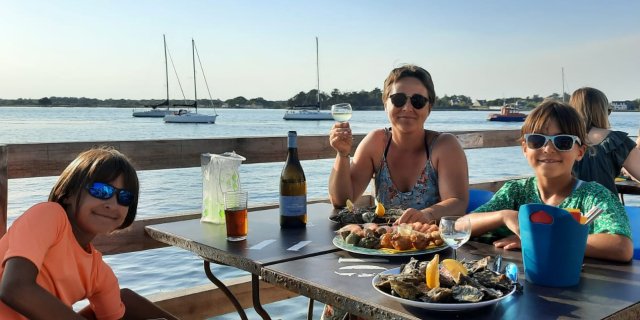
{"type": "Point", "coordinates": [447, 285]}
{"type": "Point", "coordinates": [390, 240]}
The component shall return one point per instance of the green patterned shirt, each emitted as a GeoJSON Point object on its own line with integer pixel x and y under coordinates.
{"type": "Point", "coordinates": [514, 193]}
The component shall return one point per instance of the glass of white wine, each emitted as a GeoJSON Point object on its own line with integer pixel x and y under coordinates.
{"type": "Point", "coordinates": [455, 231]}
{"type": "Point", "coordinates": [341, 112]}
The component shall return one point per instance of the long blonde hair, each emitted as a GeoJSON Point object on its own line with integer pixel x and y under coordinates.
{"type": "Point", "coordinates": [593, 105]}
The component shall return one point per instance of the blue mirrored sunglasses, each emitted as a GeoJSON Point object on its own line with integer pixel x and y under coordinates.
{"type": "Point", "coordinates": [562, 142]}
{"type": "Point", "coordinates": [104, 191]}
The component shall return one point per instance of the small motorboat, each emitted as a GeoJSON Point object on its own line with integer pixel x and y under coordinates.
{"type": "Point", "coordinates": [507, 114]}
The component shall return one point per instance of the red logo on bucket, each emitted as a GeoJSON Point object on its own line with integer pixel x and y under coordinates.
{"type": "Point", "coordinates": [541, 217]}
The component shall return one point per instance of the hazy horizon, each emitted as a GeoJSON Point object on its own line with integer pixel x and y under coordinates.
{"type": "Point", "coordinates": [485, 50]}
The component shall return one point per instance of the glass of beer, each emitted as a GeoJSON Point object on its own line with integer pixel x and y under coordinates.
{"type": "Point", "coordinates": [235, 214]}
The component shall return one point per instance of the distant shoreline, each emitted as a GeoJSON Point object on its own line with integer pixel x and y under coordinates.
{"type": "Point", "coordinates": [140, 108]}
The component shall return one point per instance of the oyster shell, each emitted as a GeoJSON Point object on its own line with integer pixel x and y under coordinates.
{"type": "Point", "coordinates": [490, 279]}
{"type": "Point", "coordinates": [407, 287]}
{"type": "Point", "coordinates": [438, 295]}
{"type": "Point", "coordinates": [364, 215]}
{"type": "Point", "coordinates": [466, 293]}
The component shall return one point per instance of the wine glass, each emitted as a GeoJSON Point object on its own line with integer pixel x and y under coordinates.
{"type": "Point", "coordinates": [341, 112]}
{"type": "Point", "coordinates": [455, 231]}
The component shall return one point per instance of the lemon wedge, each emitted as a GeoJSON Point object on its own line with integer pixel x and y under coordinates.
{"type": "Point", "coordinates": [349, 205]}
{"type": "Point", "coordinates": [379, 210]}
{"type": "Point", "coordinates": [432, 274]}
{"type": "Point", "coordinates": [455, 268]}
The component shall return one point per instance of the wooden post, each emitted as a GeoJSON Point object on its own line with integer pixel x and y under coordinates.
{"type": "Point", "coordinates": [4, 187]}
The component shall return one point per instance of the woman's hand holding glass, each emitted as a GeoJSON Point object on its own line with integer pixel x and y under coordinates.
{"type": "Point", "coordinates": [341, 139]}
{"type": "Point", "coordinates": [455, 231]}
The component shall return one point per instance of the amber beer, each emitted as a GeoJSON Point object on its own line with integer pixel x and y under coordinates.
{"type": "Point", "coordinates": [235, 215]}
{"type": "Point", "coordinates": [237, 226]}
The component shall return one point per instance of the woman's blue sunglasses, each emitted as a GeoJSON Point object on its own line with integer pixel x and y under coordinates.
{"type": "Point", "coordinates": [104, 191]}
{"type": "Point", "coordinates": [562, 142]}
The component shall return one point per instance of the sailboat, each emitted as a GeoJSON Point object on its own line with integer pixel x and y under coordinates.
{"type": "Point", "coordinates": [312, 111]}
{"type": "Point", "coordinates": [185, 116]}
{"type": "Point", "coordinates": [155, 112]}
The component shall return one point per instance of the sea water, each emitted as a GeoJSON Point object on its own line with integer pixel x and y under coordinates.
{"type": "Point", "coordinates": [180, 190]}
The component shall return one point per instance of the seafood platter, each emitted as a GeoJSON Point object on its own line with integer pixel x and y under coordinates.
{"type": "Point", "coordinates": [369, 231]}
{"type": "Point", "coordinates": [447, 285]}
{"type": "Point", "coordinates": [386, 240]}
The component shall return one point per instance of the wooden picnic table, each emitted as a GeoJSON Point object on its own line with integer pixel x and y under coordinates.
{"type": "Point", "coordinates": [605, 289]}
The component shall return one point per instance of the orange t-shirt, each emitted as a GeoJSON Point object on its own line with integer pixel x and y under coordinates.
{"type": "Point", "coordinates": [43, 235]}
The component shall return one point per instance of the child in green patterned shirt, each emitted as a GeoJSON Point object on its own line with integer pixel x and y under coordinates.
{"type": "Point", "coordinates": [552, 140]}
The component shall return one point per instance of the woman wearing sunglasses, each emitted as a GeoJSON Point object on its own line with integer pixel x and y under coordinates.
{"type": "Point", "coordinates": [612, 150]}
{"type": "Point", "coordinates": [48, 261]}
{"type": "Point", "coordinates": [421, 171]}
{"type": "Point", "coordinates": [552, 141]}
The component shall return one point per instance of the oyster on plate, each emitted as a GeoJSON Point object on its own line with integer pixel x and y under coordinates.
{"type": "Point", "coordinates": [365, 215]}
{"type": "Point", "coordinates": [480, 283]}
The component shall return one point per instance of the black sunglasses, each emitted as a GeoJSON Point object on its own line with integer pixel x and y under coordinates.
{"type": "Point", "coordinates": [562, 142]}
{"type": "Point", "coordinates": [104, 191]}
{"type": "Point", "coordinates": [399, 99]}
{"type": "Point", "coordinates": [609, 111]}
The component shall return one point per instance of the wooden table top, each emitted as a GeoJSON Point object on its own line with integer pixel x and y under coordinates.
{"type": "Point", "coordinates": [266, 242]}
{"type": "Point", "coordinates": [605, 288]}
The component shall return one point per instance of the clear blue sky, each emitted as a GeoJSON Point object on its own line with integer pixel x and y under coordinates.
{"type": "Point", "coordinates": [483, 49]}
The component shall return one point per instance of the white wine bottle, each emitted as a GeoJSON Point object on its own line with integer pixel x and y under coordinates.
{"type": "Point", "coordinates": [293, 189]}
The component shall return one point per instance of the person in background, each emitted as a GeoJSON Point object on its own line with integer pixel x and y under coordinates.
{"type": "Point", "coordinates": [48, 261]}
{"type": "Point", "coordinates": [624, 171]}
{"type": "Point", "coordinates": [422, 171]}
{"type": "Point", "coordinates": [552, 141]}
{"type": "Point", "coordinates": [612, 150]}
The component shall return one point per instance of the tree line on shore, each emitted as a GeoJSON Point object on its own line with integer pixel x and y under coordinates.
{"type": "Point", "coordinates": [359, 100]}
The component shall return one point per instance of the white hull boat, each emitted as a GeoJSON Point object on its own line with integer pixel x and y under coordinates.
{"type": "Point", "coordinates": [299, 113]}
{"type": "Point", "coordinates": [313, 111]}
{"type": "Point", "coordinates": [184, 116]}
{"type": "Point", "coordinates": [153, 113]}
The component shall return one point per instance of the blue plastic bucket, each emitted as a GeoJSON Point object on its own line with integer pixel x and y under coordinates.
{"type": "Point", "coordinates": [552, 251]}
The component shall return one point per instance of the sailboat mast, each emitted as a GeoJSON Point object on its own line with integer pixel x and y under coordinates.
{"type": "Point", "coordinates": [166, 68]}
{"type": "Point", "coordinates": [195, 89]}
{"type": "Point", "coordinates": [317, 74]}
{"type": "Point", "coordinates": [562, 84]}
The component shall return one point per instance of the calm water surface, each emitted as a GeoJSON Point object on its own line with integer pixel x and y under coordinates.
{"type": "Point", "coordinates": [180, 190]}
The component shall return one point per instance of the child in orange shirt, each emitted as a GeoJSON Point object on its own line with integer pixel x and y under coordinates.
{"type": "Point", "coordinates": [48, 261]}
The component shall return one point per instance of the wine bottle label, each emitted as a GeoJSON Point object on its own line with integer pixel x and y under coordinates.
{"type": "Point", "coordinates": [291, 206]}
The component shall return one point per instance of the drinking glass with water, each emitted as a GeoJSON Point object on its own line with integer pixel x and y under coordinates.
{"type": "Point", "coordinates": [455, 231]}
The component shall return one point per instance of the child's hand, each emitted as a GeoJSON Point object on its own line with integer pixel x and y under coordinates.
{"type": "Point", "coordinates": [510, 219]}
{"type": "Point", "coordinates": [508, 243]}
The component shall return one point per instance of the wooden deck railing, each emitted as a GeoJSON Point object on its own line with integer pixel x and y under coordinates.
{"type": "Point", "coordinates": [49, 159]}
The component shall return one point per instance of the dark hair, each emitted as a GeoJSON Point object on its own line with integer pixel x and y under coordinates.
{"type": "Point", "coordinates": [103, 164]}
{"type": "Point", "coordinates": [568, 119]}
{"type": "Point", "coordinates": [413, 71]}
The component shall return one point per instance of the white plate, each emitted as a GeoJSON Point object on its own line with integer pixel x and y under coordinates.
{"type": "Point", "coordinates": [339, 242]}
{"type": "Point", "coordinates": [437, 306]}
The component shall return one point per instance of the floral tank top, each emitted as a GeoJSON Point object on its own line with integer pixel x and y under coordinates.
{"type": "Point", "coordinates": [423, 194]}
